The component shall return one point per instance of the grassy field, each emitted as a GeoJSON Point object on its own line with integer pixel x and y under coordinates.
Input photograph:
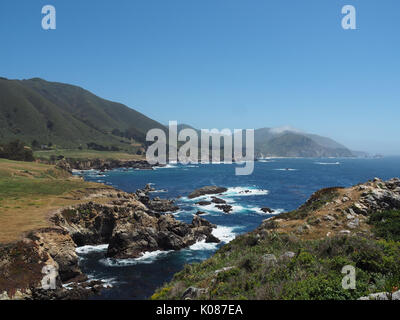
{"type": "Point", "coordinates": [86, 154]}
{"type": "Point", "coordinates": [29, 192]}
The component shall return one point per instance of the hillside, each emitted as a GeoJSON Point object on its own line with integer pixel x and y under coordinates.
{"type": "Point", "coordinates": [300, 254]}
{"type": "Point", "coordinates": [288, 143]}
{"type": "Point", "coordinates": [67, 116]}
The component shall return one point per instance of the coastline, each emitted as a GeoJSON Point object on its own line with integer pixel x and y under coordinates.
{"type": "Point", "coordinates": [69, 230]}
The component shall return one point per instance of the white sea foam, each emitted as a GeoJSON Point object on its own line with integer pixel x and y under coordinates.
{"type": "Point", "coordinates": [274, 211]}
{"type": "Point", "coordinates": [88, 249]}
{"type": "Point", "coordinates": [167, 166]}
{"type": "Point", "coordinates": [286, 169]}
{"type": "Point", "coordinates": [202, 245]}
{"type": "Point", "coordinates": [244, 191]}
{"type": "Point", "coordinates": [159, 191]}
{"type": "Point", "coordinates": [146, 258]}
{"type": "Point", "coordinates": [225, 234]}
{"type": "Point", "coordinates": [106, 282]}
{"type": "Point", "coordinates": [328, 163]}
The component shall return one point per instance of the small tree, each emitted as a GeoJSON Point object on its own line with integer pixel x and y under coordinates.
{"type": "Point", "coordinates": [16, 150]}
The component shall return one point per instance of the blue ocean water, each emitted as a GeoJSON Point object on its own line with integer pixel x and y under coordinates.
{"type": "Point", "coordinates": [280, 184]}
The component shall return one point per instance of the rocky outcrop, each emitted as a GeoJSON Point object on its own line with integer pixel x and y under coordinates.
{"type": "Point", "coordinates": [60, 246]}
{"type": "Point", "coordinates": [378, 195]}
{"type": "Point", "coordinates": [267, 210]}
{"type": "Point", "coordinates": [156, 204]}
{"type": "Point", "coordinates": [36, 267]}
{"type": "Point", "coordinates": [102, 164]}
{"type": "Point", "coordinates": [217, 200]}
{"type": "Point", "coordinates": [206, 191]}
{"type": "Point", "coordinates": [132, 224]}
{"type": "Point", "coordinates": [226, 208]}
{"type": "Point", "coordinates": [146, 233]}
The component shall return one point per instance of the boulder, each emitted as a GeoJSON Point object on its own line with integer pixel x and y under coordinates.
{"type": "Point", "coordinates": [217, 200]}
{"type": "Point", "coordinates": [289, 255]}
{"type": "Point", "coordinates": [267, 210]}
{"type": "Point", "coordinates": [269, 260]}
{"type": "Point", "coordinates": [224, 207]}
{"type": "Point", "coordinates": [193, 293]}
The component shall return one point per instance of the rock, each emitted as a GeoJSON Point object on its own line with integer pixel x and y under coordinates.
{"type": "Point", "coordinates": [212, 239]}
{"type": "Point", "coordinates": [269, 260]}
{"type": "Point", "coordinates": [200, 222]}
{"type": "Point", "coordinates": [382, 296]}
{"type": "Point", "coordinates": [203, 203]}
{"type": "Point", "coordinates": [328, 218]}
{"type": "Point", "coordinates": [193, 293]}
{"type": "Point", "coordinates": [207, 190]}
{"type": "Point", "coordinates": [360, 209]}
{"type": "Point", "coordinates": [354, 223]}
{"type": "Point", "coordinates": [132, 228]}
{"type": "Point", "coordinates": [59, 244]}
{"type": "Point", "coordinates": [344, 232]}
{"type": "Point", "coordinates": [198, 213]}
{"type": "Point", "coordinates": [351, 212]}
{"type": "Point", "coordinates": [267, 210]}
{"type": "Point", "coordinates": [223, 269]}
{"type": "Point", "coordinates": [149, 188]}
{"type": "Point", "coordinates": [217, 200]}
{"type": "Point", "coordinates": [162, 205]}
{"type": "Point", "coordinates": [289, 255]}
{"type": "Point", "coordinates": [224, 207]}
{"type": "Point", "coordinates": [102, 164]}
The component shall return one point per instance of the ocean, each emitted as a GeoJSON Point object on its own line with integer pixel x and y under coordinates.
{"type": "Point", "coordinates": [281, 184]}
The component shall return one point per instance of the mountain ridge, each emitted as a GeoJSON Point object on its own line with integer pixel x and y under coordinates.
{"type": "Point", "coordinates": [40, 112]}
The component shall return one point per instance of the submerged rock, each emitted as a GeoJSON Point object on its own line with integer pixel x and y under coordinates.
{"type": "Point", "coordinates": [267, 210]}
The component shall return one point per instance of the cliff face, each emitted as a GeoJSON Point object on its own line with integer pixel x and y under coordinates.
{"type": "Point", "coordinates": [130, 227]}
{"type": "Point", "coordinates": [122, 220]}
{"type": "Point", "coordinates": [300, 254]}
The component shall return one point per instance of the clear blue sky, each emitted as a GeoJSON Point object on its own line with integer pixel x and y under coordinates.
{"type": "Point", "coordinates": [223, 63]}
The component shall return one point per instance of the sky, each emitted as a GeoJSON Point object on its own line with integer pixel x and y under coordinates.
{"type": "Point", "coordinates": [223, 63]}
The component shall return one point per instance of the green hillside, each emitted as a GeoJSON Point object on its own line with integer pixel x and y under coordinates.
{"type": "Point", "coordinates": [67, 116]}
{"type": "Point", "coordinates": [296, 144]}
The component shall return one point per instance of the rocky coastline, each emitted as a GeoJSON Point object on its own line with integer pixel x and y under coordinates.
{"type": "Point", "coordinates": [300, 254]}
{"type": "Point", "coordinates": [102, 164]}
{"type": "Point", "coordinates": [130, 223]}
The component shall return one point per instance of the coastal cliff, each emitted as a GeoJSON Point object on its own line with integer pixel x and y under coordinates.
{"type": "Point", "coordinates": [301, 254]}
{"type": "Point", "coordinates": [127, 222]}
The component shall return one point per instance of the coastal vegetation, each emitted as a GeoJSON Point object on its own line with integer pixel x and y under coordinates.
{"type": "Point", "coordinates": [301, 254]}
{"type": "Point", "coordinates": [253, 267]}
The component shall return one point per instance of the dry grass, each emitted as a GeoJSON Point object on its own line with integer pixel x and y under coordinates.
{"type": "Point", "coordinates": [31, 192]}
{"type": "Point", "coordinates": [325, 227]}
